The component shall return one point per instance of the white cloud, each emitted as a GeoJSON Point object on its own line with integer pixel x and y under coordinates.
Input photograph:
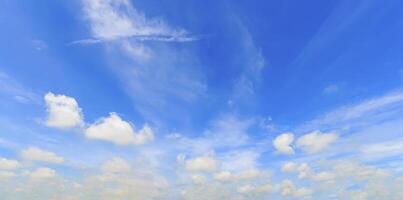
{"type": "Point", "coordinates": [302, 192]}
{"type": "Point", "coordinates": [116, 19]}
{"type": "Point", "coordinates": [283, 142]}
{"type": "Point", "coordinates": [304, 171]}
{"type": "Point", "coordinates": [316, 141]}
{"type": "Point", "coordinates": [247, 174]}
{"type": "Point", "coordinates": [382, 149]}
{"type": "Point", "coordinates": [7, 174]}
{"type": "Point", "coordinates": [363, 113]}
{"type": "Point", "coordinates": [252, 189]}
{"type": "Point", "coordinates": [118, 131]}
{"type": "Point", "coordinates": [289, 167]}
{"type": "Point", "coordinates": [41, 173]}
{"type": "Point", "coordinates": [198, 179]}
{"type": "Point", "coordinates": [324, 176]}
{"type": "Point", "coordinates": [37, 154]}
{"type": "Point", "coordinates": [201, 164]}
{"type": "Point", "coordinates": [223, 176]}
{"type": "Point", "coordinates": [116, 165]}
{"type": "Point", "coordinates": [288, 189]}
{"type": "Point", "coordinates": [63, 111]}
{"type": "Point", "coordinates": [8, 164]}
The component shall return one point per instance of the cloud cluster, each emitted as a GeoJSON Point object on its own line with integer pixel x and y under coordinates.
{"type": "Point", "coordinates": [64, 112]}
{"type": "Point", "coordinates": [313, 142]}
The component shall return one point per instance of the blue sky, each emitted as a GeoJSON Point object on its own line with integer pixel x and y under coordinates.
{"type": "Point", "coordinates": [183, 99]}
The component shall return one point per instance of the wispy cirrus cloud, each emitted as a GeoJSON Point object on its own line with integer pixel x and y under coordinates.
{"type": "Point", "coordinates": [118, 19]}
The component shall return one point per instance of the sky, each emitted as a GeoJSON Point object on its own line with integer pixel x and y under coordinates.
{"type": "Point", "coordinates": [201, 100]}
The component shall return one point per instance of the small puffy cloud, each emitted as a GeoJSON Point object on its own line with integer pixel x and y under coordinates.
{"type": "Point", "coordinates": [304, 171]}
{"type": "Point", "coordinates": [201, 164]}
{"type": "Point", "coordinates": [251, 189]}
{"type": "Point", "coordinates": [8, 164]}
{"type": "Point", "coordinates": [223, 176]}
{"type": "Point", "coordinates": [283, 142]}
{"type": "Point", "coordinates": [198, 179]}
{"type": "Point", "coordinates": [289, 167]}
{"type": "Point", "coordinates": [324, 176]}
{"type": "Point", "coordinates": [316, 141]}
{"type": "Point", "coordinates": [37, 154]}
{"type": "Point", "coordinates": [247, 174]}
{"type": "Point", "coordinates": [116, 165]}
{"type": "Point", "coordinates": [288, 189]}
{"type": "Point", "coordinates": [245, 189]}
{"type": "Point", "coordinates": [302, 192]}
{"type": "Point", "coordinates": [41, 173]}
{"type": "Point", "coordinates": [118, 131]}
{"type": "Point", "coordinates": [63, 111]}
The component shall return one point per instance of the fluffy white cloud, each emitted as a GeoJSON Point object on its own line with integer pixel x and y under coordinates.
{"type": "Point", "coordinates": [118, 131]}
{"type": "Point", "coordinates": [316, 141]}
{"type": "Point", "coordinates": [283, 142]}
{"type": "Point", "coordinates": [198, 179]}
{"type": "Point", "coordinates": [116, 165]}
{"type": "Point", "coordinates": [63, 111]}
{"type": "Point", "coordinates": [304, 171]}
{"type": "Point", "coordinates": [288, 189]}
{"type": "Point", "coordinates": [244, 175]}
{"type": "Point", "coordinates": [289, 167]}
{"type": "Point", "coordinates": [8, 164]}
{"type": "Point", "coordinates": [223, 176]}
{"type": "Point", "coordinates": [37, 154]}
{"type": "Point", "coordinates": [201, 164]}
{"type": "Point", "coordinates": [324, 176]}
{"type": "Point", "coordinates": [41, 173]}
{"type": "Point", "coordinates": [247, 174]}
{"type": "Point", "coordinates": [251, 189]}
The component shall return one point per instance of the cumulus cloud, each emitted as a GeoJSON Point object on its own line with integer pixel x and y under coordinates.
{"type": "Point", "coordinates": [37, 154]}
{"type": "Point", "coordinates": [201, 164]}
{"type": "Point", "coordinates": [116, 165]}
{"type": "Point", "coordinates": [223, 176]}
{"type": "Point", "coordinates": [283, 142]}
{"type": "Point", "coordinates": [41, 173]}
{"type": "Point", "coordinates": [63, 111]}
{"type": "Point", "coordinates": [304, 171]}
{"type": "Point", "coordinates": [247, 174]}
{"type": "Point", "coordinates": [316, 141]}
{"type": "Point", "coordinates": [198, 179]}
{"type": "Point", "coordinates": [289, 167]}
{"type": "Point", "coordinates": [324, 176]}
{"type": "Point", "coordinates": [252, 189]}
{"type": "Point", "coordinates": [114, 129]}
{"type": "Point", "coordinates": [288, 189]}
{"type": "Point", "coordinates": [8, 164]}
